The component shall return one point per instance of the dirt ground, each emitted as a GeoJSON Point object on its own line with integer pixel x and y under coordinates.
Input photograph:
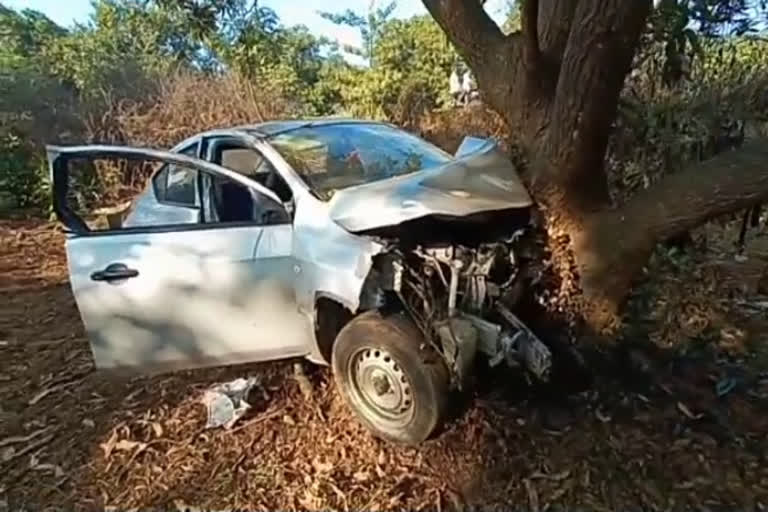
{"type": "Point", "coordinates": [690, 433]}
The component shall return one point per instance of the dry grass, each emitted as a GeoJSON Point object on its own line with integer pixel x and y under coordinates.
{"type": "Point", "coordinates": [181, 105]}
{"type": "Point", "coordinates": [447, 128]}
{"type": "Point", "coordinates": [101, 440]}
{"type": "Point", "coordinates": [187, 103]}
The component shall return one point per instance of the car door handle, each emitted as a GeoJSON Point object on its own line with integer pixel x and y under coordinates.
{"type": "Point", "coordinates": [114, 272]}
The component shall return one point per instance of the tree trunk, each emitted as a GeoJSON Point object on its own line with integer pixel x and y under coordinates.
{"type": "Point", "coordinates": [557, 85]}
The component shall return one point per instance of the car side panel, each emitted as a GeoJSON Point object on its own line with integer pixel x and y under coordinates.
{"type": "Point", "coordinates": [201, 298]}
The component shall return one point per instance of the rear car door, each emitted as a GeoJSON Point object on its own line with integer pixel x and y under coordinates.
{"type": "Point", "coordinates": [184, 281]}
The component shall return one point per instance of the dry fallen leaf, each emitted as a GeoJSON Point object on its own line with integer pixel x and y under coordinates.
{"type": "Point", "coordinates": [604, 418]}
{"type": "Point", "coordinates": [322, 467]}
{"type": "Point", "coordinates": [686, 411]}
{"type": "Point", "coordinates": [157, 428]}
{"type": "Point", "coordinates": [109, 445]}
{"type": "Point", "coordinates": [361, 476]}
{"type": "Point", "coordinates": [533, 496]}
{"type": "Point", "coordinates": [181, 506]}
{"type": "Point", "coordinates": [22, 439]}
{"type": "Point", "coordinates": [560, 492]}
{"type": "Point", "coordinates": [36, 465]}
{"type": "Point", "coordinates": [48, 391]}
{"type": "Point", "coordinates": [556, 477]}
{"type": "Point", "coordinates": [128, 445]}
{"type": "Point", "coordinates": [7, 454]}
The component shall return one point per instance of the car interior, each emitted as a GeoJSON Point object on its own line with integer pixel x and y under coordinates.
{"type": "Point", "coordinates": [232, 202]}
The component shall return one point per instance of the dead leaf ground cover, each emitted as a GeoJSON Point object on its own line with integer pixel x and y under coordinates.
{"type": "Point", "coordinates": [72, 437]}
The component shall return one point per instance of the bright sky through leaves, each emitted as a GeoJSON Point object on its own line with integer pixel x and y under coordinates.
{"type": "Point", "coordinates": [291, 12]}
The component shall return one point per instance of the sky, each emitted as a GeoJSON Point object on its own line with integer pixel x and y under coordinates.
{"type": "Point", "coordinates": [291, 12]}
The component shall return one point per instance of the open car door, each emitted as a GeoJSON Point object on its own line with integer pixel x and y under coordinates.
{"type": "Point", "coordinates": [183, 285]}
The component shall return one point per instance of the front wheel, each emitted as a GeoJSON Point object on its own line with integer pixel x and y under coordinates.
{"type": "Point", "coordinates": [398, 389]}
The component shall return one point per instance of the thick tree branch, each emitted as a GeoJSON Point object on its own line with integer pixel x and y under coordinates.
{"type": "Point", "coordinates": [596, 60]}
{"type": "Point", "coordinates": [613, 245]}
{"type": "Point", "coordinates": [468, 26]}
{"type": "Point", "coordinates": [529, 23]}
{"type": "Point", "coordinates": [554, 24]}
{"type": "Point", "coordinates": [729, 182]}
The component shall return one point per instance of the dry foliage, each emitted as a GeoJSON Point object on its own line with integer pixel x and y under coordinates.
{"type": "Point", "coordinates": [76, 438]}
{"type": "Point", "coordinates": [187, 103]}
{"type": "Point", "coordinates": [181, 105]}
{"type": "Point", "coordinates": [447, 128]}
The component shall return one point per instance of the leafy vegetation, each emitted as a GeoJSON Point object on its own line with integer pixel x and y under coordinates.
{"type": "Point", "coordinates": [152, 72]}
{"type": "Point", "coordinates": [370, 27]}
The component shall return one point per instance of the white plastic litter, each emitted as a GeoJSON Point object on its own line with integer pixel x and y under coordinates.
{"type": "Point", "coordinates": [225, 403]}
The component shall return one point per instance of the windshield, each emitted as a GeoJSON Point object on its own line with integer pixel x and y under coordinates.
{"type": "Point", "coordinates": [336, 156]}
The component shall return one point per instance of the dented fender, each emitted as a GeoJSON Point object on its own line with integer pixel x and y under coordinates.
{"type": "Point", "coordinates": [333, 263]}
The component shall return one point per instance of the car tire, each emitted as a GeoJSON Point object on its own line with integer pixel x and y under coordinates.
{"type": "Point", "coordinates": [397, 387]}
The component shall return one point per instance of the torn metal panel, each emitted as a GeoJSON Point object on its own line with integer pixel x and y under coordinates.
{"type": "Point", "coordinates": [532, 352]}
{"type": "Point", "coordinates": [459, 339]}
{"type": "Point", "coordinates": [481, 181]}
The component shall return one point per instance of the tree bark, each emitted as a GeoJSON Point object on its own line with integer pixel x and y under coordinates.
{"type": "Point", "coordinates": [557, 84]}
{"type": "Point", "coordinates": [615, 244]}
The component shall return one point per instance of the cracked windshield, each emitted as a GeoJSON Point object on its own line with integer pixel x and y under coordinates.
{"type": "Point", "coordinates": [339, 156]}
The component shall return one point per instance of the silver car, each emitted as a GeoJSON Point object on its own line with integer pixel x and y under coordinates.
{"type": "Point", "coordinates": [350, 243]}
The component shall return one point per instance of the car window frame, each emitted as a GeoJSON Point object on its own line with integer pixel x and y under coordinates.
{"type": "Point", "coordinates": [59, 157]}
{"type": "Point", "coordinates": [210, 143]}
{"type": "Point", "coordinates": [251, 190]}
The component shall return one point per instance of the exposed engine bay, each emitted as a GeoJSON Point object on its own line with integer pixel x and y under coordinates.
{"type": "Point", "coordinates": [460, 282]}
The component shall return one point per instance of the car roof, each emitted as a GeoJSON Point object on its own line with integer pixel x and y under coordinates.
{"type": "Point", "coordinates": [271, 128]}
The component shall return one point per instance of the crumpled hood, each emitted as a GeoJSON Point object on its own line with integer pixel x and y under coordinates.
{"type": "Point", "coordinates": [482, 180]}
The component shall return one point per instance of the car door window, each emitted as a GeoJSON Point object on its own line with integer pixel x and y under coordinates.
{"type": "Point", "coordinates": [176, 184]}
{"type": "Point", "coordinates": [248, 161]}
{"type": "Point", "coordinates": [182, 197]}
{"type": "Point", "coordinates": [228, 201]}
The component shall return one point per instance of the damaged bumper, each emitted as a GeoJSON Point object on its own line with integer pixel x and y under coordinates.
{"type": "Point", "coordinates": [465, 335]}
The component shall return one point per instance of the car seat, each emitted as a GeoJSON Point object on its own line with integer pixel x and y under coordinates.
{"type": "Point", "coordinates": [235, 204]}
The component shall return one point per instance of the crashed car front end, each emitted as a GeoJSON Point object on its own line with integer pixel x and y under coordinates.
{"type": "Point", "coordinates": [450, 238]}
{"type": "Point", "coordinates": [462, 298]}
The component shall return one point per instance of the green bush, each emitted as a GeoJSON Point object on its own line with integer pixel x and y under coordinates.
{"type": "Point", "coordinates": [24, 181]}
